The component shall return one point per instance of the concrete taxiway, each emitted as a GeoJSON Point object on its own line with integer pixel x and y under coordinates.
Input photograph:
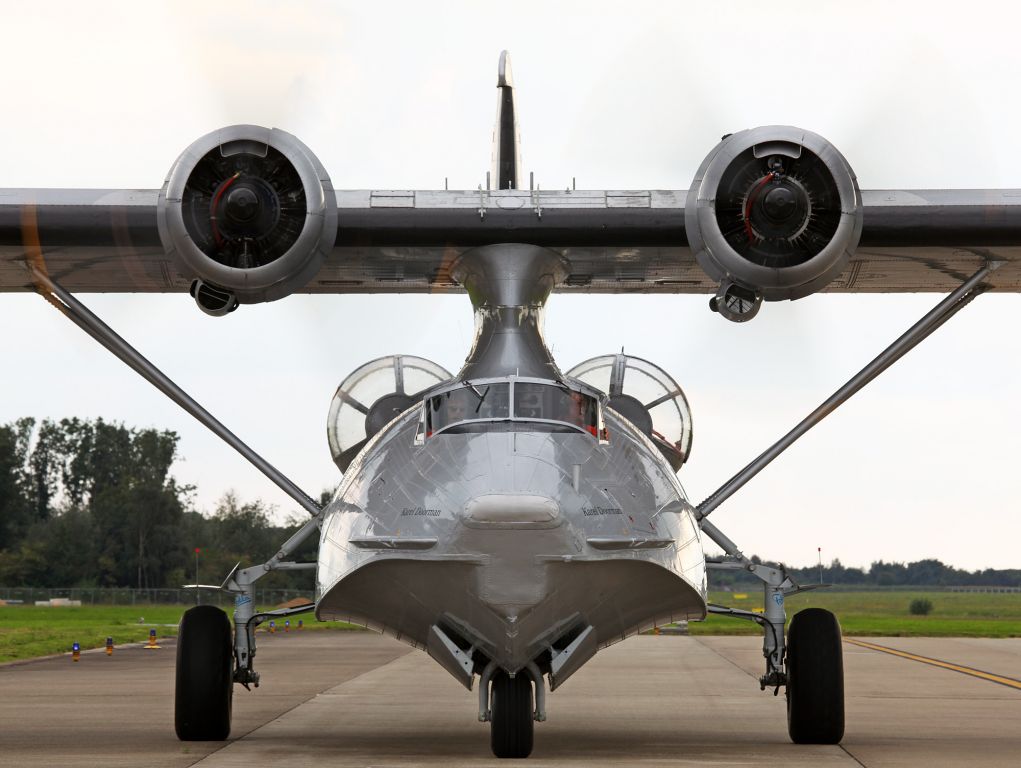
{"type": "Point", "coordinates": [356, 699]}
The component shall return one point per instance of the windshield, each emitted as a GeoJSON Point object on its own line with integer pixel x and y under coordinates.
{"type": "Point", "coordinates": [469, 403]}
{"type": "Point", "coordinates": [532, 402]}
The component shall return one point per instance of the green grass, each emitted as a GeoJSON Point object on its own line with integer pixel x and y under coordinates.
{"type": "Point", "coordinates": [885, 613]}
{"type": "Point", "coordinates": [28, 631]}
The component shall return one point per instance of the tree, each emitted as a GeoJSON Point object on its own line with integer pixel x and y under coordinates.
{"type": "Point", "coordinates": [89, 502]}
{"type": "Point", "coordinates": [243, 530]}
{"type": "Point", "coordinates": [15, 504]}
{"type": "Point", "coordinates": [136, 505]}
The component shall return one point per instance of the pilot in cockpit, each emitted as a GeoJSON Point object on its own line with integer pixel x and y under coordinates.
{"type": "Point", "coordinates": [457, 406]}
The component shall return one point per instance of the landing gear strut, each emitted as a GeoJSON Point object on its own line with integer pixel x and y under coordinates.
{"type": "Point", "coordinates": [212, 656]}
{"type": "Point", "coordinates": [808, 662]}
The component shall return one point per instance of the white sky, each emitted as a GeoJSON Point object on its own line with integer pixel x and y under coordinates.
{"type": "Point", "coordinates": [920, 464]}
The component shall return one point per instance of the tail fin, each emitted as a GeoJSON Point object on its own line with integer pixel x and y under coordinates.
{"type": "Point", "coordinates": [506, 140]}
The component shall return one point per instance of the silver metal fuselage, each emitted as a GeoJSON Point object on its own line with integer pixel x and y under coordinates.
{"type": "Point", "coordinates": [401, 550]}
{"type": "Point", "coordinates": [510, 537]}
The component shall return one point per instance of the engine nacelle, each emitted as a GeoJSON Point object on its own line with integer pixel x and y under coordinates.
{"type": "Point", "coordinates": [250, 213]}
{"type": "Point", "coordinates": [773, 213]}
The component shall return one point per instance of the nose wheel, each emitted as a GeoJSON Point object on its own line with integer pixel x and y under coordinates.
{"type": "Point", "coordinates": [512, 724]}
{"type": "Point", "coordinates": [204, 686]}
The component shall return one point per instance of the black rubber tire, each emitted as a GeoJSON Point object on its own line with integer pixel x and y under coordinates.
{"type": "Point", "coordinates": [815, 678]}
{"type": "Point", "coordinates": [205, 671]}
{"type": "Point", "coordinates": [512, 725]}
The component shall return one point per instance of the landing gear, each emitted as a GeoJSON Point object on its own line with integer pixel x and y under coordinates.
{"type": "Point", "coordinates": [202, 697]}
{"type": "Point", "coordinates": [808, 662]}
{"type": "Point", "coordinates": [211, 656]}
{"type": "Point", "coordinates": [815, 678]}
{"type": "Point", "coordinates": [512, 715]}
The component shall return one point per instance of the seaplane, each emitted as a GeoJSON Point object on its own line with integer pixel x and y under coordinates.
{"type": "Point", "coordinates": [512, 518]}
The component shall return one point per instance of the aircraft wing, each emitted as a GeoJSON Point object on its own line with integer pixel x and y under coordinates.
{"type": "Point", "coordinates": [616, 241]}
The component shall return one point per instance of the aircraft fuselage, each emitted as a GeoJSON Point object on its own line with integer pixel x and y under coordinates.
{"type": "Point", "coordinates": [511, 528]}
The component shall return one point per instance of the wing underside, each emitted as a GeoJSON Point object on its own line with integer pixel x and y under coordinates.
{"type": "Point", "coordinates": [396, 241]}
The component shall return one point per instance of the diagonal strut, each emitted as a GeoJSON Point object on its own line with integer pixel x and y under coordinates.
{"type": "Point", "coordinates": [938, 315]}
{"type": "Point", "coordinates": [81, 316]}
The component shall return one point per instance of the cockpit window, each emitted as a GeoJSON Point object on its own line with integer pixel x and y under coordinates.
{"type": "Point", "coordinates": [550, 403]}
{"type": "Point", "coordinates": [474, 402]}
{"type": "Point", "coordinates": [533, 400]}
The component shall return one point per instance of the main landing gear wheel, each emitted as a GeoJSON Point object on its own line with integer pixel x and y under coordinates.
{"type": "Point", "coordinates": [205, 684]}
{"type": "Point", "coordinates": [815, 678]}
{"type": "Point", "coordinates": [512, 713]}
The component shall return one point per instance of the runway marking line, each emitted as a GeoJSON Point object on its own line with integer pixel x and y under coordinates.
{"type": "Point", "coordinates": [1010, 682]}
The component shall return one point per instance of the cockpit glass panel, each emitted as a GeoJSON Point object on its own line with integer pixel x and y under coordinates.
{"type": "Point", "coordinates": [533, 400]}
{"type": "Point", "coordinates": [471, 403]}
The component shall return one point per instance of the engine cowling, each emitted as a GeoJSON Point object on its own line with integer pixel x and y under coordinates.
{"type": "Point", "coordinates": [773, 213]}
{"type": "Point", "coordinates": [250, 213]}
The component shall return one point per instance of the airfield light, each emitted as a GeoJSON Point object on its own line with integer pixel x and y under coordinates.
{"type": "Point", "coordinates": [152, 640]}
{"type": "Point", "coordinates": [76, 652]}
{"type": "Point", "coordinates": [287, 625]}
{"type": "Point", "coordinates": [109, 646]}
{"type": "Point", "coordinates": [272, 627]}
{"type": "Point", "coordinates": [301, 624]}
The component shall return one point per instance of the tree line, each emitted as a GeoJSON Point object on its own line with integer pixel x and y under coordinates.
{"type": "Point", "coordinates": [90, 503]}
{"type": "Point", "coordinates": [922, 573]}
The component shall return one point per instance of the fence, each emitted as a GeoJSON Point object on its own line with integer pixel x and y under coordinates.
{"type": "Point", "coordinates": [746, 586]}
{"type": "Point", "coordinates": [116, 596]}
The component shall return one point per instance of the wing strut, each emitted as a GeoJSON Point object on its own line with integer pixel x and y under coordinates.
{"type": "Point", "coordinates": [938, 315]}
{"type": "Point", "coordinates": [81, 316]}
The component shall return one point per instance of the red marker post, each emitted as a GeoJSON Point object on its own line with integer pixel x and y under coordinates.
{"type": "Point", "coordinates": [197, 582]}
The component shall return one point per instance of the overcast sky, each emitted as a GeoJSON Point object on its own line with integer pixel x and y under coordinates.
{"type": "Point", "coordinates": [923, 463]}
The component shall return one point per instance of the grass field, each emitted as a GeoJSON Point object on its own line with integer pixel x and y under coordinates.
{"type": "Point", "coordinates": [885, 613]}
{"type": "Point", "coordinates": [27, 631]}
